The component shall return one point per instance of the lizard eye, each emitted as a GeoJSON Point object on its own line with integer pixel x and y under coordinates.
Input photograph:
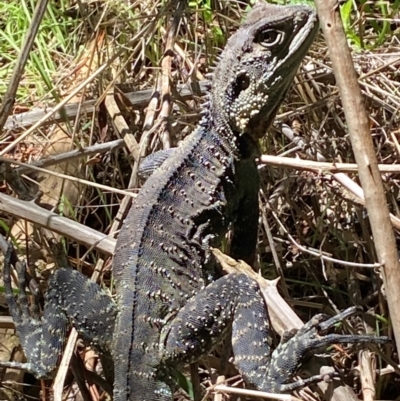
{"type": "Point", "coordinates": [242, 83]}
{"type": "Point", "coordinates": [269, 37]}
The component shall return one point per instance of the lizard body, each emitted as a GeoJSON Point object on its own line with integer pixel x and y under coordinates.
{"type": "Point", "coordinates": [210, 182]}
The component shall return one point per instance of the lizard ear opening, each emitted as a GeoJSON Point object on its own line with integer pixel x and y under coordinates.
{"type": "Point", "coordinates": [242, 83]}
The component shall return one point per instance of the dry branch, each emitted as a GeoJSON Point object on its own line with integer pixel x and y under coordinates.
{"type": "Point", "coordinates": [358, 126]}
{"type": "Point", "coordinates": [61, 225]}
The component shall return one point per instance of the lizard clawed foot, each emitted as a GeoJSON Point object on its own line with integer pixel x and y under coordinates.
{"type": "Point", "coordinates": [289, 355]}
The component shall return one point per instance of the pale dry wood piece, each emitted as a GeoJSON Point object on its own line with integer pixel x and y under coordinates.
{"type": "Point", "coordinates": [321, 167]}
{"type": "Point", "coordinates": [388, 370]}
{"type": "Point", "coordinates": [282, 316]}
{"type": "Point", "coordinates": [396, 142]}
{"type": "Point", "coordinates": [6, 322]}
{"type": "Point", "coordinates": [220, 381]}
{"type": "Point", "coordinates": [58, 383]}
{"type": "Point", "coordinates": [255, 393]}
{"type": "Point", "coordinates": [367, 369]}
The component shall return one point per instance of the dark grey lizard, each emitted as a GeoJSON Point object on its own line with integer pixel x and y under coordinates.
{"type": "Point", "coordinates": [172, 306]}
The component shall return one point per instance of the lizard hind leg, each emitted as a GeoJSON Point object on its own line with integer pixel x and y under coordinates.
{"type": "Point", "coordinates": [233, 301]}
{"type": "Point", "coordinates": [236, 301]}
{"type": "Point", "coordinates": [30, 326]}
{"type": "Point", "coordinates": [71, 299]}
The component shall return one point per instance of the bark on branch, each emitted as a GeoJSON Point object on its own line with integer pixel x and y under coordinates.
{"type": "Point", "coordinates": [361, 140]}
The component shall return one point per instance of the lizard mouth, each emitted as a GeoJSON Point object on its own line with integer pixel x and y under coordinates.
{"type": "Point", "coordinates": [301, 42]}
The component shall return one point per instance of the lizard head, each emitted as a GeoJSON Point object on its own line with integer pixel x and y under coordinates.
{"type": "Point", "coordinates": [258, 65]}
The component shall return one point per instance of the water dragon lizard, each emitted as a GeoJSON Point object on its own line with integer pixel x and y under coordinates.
{"type": "Point", "coordinates": [172, 306]}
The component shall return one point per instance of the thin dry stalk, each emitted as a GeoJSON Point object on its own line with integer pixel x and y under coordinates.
{"type": "Point", "coordinates": [9, 97]}
{"type": "Point", "coordinates": [358, 123]}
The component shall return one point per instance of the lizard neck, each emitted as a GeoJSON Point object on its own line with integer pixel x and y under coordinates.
{"type": "Point", "coordinates": [214, 120]}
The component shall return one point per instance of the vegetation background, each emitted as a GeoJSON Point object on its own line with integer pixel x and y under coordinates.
{"type": "Point", "coordinates": [100, 57]}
